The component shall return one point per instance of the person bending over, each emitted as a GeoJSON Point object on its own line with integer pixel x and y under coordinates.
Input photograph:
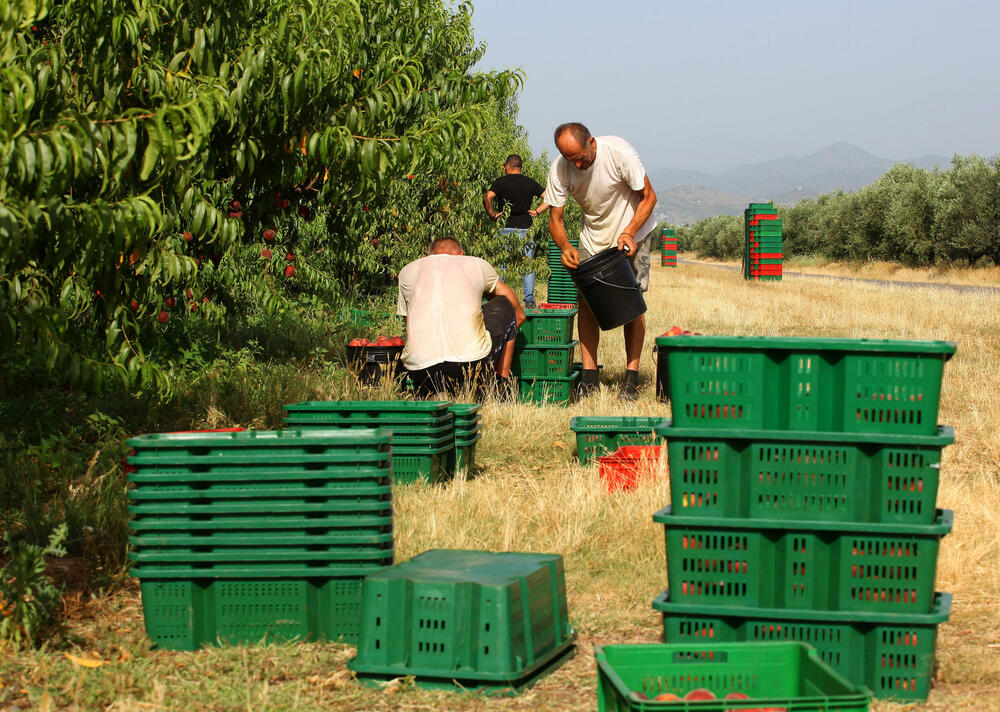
{"type": "Point", "coordinates": [451, 340]}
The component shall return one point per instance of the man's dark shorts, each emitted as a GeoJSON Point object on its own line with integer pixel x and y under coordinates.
{"type": "Point", "coordinates": [501, 325]}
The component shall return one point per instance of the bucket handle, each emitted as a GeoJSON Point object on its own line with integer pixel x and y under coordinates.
{"type": "Point", "coordinates": [616, 286]}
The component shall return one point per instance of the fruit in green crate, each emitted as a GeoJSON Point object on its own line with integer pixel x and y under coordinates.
{"type": "Point", "coordinates": [640, 696]}
{"type": "Point", "coordinates": [700, 693]}
{"type": "Point", "coordinates": [665, 697]}
{"type": "Point", "coordinates": [736, 696]}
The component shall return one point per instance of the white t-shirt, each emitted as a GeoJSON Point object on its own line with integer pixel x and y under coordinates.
{"type": "Point", "coordinates": [441, 296]}
{"type": "Point", "coordinates": [605, 192]}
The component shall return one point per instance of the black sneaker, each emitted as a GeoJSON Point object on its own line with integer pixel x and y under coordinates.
{"type": "Point", "coordinates": [630, 386]}
{"type": "Point", "coordinates": [529, 304]}
{"type": "Point", "coordinates": [589, 384]}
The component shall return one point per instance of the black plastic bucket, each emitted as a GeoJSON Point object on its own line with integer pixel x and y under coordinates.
{"type": "Point", "coordinates": [607, 283]}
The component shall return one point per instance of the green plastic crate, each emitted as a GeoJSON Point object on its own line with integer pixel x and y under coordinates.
{"type": "Point", "coordinates": [398, 427]}
{"type": "Point", "coordinates": [347, 475]}
{"type": "Point", "coordinates": [773, 474]}
{"type": "Point", "coordinates": [547, 326]}
{"type": "Point", "coordinates": [806, 565]}
{"type": "Point", "coordinates": [262, 508]}
{"type": "Point", "coordinates": [552, 391]}
{"type": "Point", "coordinates": [789, 676]}
{"type": "Point", "coordinates": [196, 492]}
{"type": "Point", "coordinates": [354, 554]}
{"type": "Point", "coordinates": [544, 361]}
{"type": "Point", "coordinates": [186, 615]}
{"type": "Point", "coordinates": [789, 383]}
{"type": "Point", "coordinates": [598, 435]}
{"type": "Point", "coordinates": [465, 454]}
{"type": "Point", "coordinates": [360, 523]}
{"type": "Point", "coordinates": [429, 464]}
{"type": "Point", "coordinates": [252, 570]}
{"type": "Point", "coordinates": [292, 441]}
{"type": "Point", "coordinates": [250, 538]}
{"type": "Point", "coordinates": [890, 654]}
{"type": "Point", "coordinates": [374, 414]}
{"type": "Point", "coordinates": [475, 617]}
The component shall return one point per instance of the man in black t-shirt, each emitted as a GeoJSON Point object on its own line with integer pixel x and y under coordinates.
{"type": "Point", "coordinates": [518, 190]}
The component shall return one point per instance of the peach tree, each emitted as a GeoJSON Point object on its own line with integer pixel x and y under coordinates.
{"type": "Point", "coordinates": [165, 161]}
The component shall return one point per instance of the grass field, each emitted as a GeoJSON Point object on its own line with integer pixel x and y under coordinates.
{"type": "Point", "coordinates": [532, 495]}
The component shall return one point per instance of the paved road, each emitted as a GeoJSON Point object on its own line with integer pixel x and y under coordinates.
{"type": "Point", "coordinates": [963, 288]}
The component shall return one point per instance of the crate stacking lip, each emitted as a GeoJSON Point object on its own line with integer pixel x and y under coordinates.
{"type": "Point", "coordinates": [773, 675]}
{"type": "Point", "coordinates": [481, 619]}
{"type": "Point", "coordinates": [890, 654]}
{"type": "Point", "coordinates": [808, 565]}
{"type": "Point", "coordinates": [803, 475]}
{"type": "Point", "coordinates": [599, 435]}
{"type": "Point", "coordinates": [801, 383]}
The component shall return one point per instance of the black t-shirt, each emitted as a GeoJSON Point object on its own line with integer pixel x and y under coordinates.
{"type": "Point", "coordinates": [518, 190]}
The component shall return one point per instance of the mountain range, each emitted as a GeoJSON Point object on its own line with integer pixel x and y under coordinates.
{"type": "Point", "coordinates": [686, 196]}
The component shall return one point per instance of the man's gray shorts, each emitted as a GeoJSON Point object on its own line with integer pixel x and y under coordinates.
{"type": "Point", "coordinates": [639, 262]}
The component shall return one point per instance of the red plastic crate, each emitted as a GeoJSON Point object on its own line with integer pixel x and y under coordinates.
{"type": "Point", "coordinates": [547, 305]}
{"type": "Point", "coordinates": [623, 469]}
{"type": "Point", "coordinates": [770, 255]}
{"type": "Point", "coordinates": [757, 218]}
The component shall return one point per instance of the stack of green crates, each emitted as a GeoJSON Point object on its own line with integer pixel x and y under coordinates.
{"type": "Point", "coordinates": [763, 252]}
{"type": "Point", "coordinates": [467, 434]}
{"type": "Point", "coordinates": [668, 247]}
{"type": "Point", "coordinates": [562, 289]}
{"type": "Point", "coordinates": [423, 432]}
{"type": "Point", "coordinates": [803, 476]}
{"type": "Point", "coordinates": [467, 619]}
{"type": "Point", "coordinates": [543, 356]}
{"type": "Point", "coordinates": [246, 536]}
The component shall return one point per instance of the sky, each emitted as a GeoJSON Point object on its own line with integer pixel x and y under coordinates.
{"type": "Point", "coordinates": [714, 84]}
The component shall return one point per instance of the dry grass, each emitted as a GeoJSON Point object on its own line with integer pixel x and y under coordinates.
{"type": "Point", "coordinates": [532, 495]}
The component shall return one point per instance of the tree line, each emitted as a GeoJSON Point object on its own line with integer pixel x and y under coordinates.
{"type": "Point", "coordinates": [185, 171]}
{"type": "Point", "coordinates": [909, 215]}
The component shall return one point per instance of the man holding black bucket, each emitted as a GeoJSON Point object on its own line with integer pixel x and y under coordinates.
{"type": "Point", "coordinates": [606, 178]}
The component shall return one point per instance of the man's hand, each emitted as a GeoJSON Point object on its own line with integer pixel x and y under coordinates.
{"type": "Point", "coordinates": [626, 243]}
{"type": "Point", "coordinates": [533, 213]}
{"type": "Point", "coordinates": [571, 257]}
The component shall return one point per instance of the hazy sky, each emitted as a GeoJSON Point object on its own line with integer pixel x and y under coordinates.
{"type": "Point", "coordinates": [713, 84]}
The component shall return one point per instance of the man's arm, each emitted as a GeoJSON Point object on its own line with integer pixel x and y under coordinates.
{"type": "Point", "coordinates": [502, 290]}
{"type": "Point", "coordinates": [570, 255]}
{"type": "Point", "coordinates": [542, 207]}
{"type": "Point", "coordinates": [488, 197]}
{"type": "Point", "coordinates": [647, 201]}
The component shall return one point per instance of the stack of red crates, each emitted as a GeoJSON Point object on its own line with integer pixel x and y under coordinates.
{"type": "Point", "coordinates": [763, 255]}
{"type": "Point", "coordinates": [668, 247]}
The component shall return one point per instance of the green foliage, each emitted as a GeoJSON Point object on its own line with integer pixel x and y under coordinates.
{"type": "Point", "coordinates": [147, 147]}
{"type": "Point", "coordinates": [909, 215]}
{"type": "Point", "coordinates": [28, 599]}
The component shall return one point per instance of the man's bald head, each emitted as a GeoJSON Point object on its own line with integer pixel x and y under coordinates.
{"type": "Point", "coordinates": [576, 144]}
{"type": "Point", "coordinates": [446, 246]}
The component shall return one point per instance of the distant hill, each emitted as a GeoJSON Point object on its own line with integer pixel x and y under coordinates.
{"type": "Point", "coordinates": [694, 194]}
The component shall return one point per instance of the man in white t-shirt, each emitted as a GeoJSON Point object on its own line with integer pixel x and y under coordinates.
{"type": "Point", "coordinates": [606, 178]}
{"type": "Point", "coordinates": [451, 340]}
